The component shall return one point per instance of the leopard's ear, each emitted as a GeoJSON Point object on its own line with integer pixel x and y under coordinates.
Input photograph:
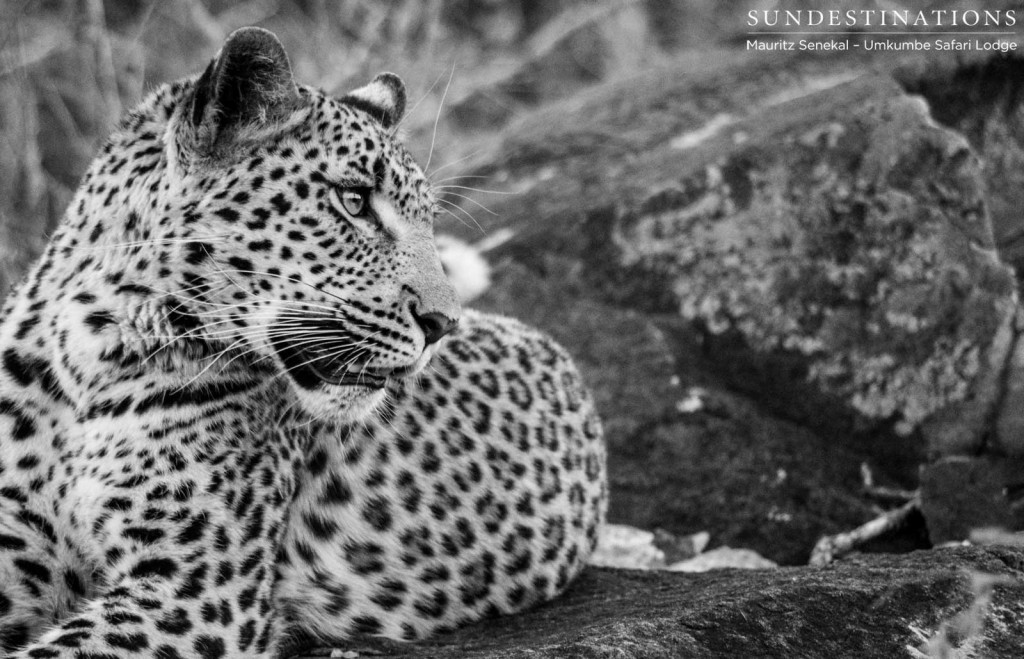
{"type": "Point", "coordinates": [383, 99]}
{"type": "Point", "coordinates": [248, 83]}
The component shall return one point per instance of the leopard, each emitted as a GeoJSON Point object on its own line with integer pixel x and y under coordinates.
{"type": "Point", "coordinates": [240, 402]}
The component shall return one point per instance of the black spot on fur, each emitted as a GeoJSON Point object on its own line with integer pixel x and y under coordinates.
{"type": "Point", "coordinates": [244, 266]}
{"type": "Point", "coordinates": [377, 513]}
{"type": "Point", "coordinates": [336, 491]}
{"type": "Point", "coordinates": [366, 625]}
{"type": "Point", "coordinates": [118, 503]}
{"type": "Point", "coordinates": [10, 542]}
{"type": "Point", "coordinates": [14, 636]}
{"type": "Point", "coordinates": [144, 535]}
{"type": "Point", "coordinates": [97, 321]}
{"type": "Point", "coordinates": [365, 558]}
{"type": "Point", "coordinates": [166, 652]}
{"type": "Point", "coordinates": [182, 397]}
{"type": "Point", "coordinates": [26, 325]}
{"type": "Point", "coordinates": [209, 647]}
{"type": "Point", "coordinates": [321, 527]}
{"type": "Point", "coordinates": [74, 583]}
{"type": "Point", "coordinates": [17, 367]}
{"type": "Point", "coordinates": [197, 252]}
{"type": "Point", "coordinates": [227, 214]}
{"type": "Point", "coordinates": [132, 642]}
{"type": "Point", "coordinates": [433, 605]}
{"type": "Point", "coordinates": [117, 618]}
{"type": "Point", "coordinates": [154, 567]}
{"type": "Point", "coordinates": [280, 203]}
{"type": "Point", "coordinates": [32, 569]}
{"type": "Point", "coordinates": [246, 634]}
{"type": "Point", "coordinates": [194, 531]}
{"type": "Point", "coordinates": [174, 622]}
{"type": "Point", "coordinates": [317, 462]}
{"type": "Point", "coordinates": [193, 585]}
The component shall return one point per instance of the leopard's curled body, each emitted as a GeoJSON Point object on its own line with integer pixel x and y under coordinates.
{"type": "Point", "coordinates": [229, 408]}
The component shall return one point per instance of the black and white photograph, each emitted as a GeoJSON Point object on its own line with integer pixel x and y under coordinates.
{"type": "Point", "coordinates": [511, 329]}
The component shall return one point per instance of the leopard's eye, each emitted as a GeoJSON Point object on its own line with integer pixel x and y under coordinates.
{"type": "Point", "coordinates": [354, 202]}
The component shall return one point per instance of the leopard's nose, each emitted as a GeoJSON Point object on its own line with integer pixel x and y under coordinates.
{"type": "Point", "coordinates": [435, 325]}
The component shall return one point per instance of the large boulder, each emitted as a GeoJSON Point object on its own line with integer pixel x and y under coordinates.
{"type": "Point", "coordinates": [841, 232]}
{"type": "Point", "coordinates": [960, 602]}
{"type": "Point", "coordinates": [980, 98]}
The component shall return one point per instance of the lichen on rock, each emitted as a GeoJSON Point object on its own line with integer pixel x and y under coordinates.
{"type": "Point", "coordinates": [850, 230]}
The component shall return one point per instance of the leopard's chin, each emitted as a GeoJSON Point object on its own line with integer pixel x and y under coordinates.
{"type": "Point", "coordinates": [345, 404]}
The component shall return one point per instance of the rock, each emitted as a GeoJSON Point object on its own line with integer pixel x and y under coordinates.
{"type": "Point", "coordinates": [992, 123]}
{"type": "Point", "coordinates": [960, 494]}
{"type": "Point", "coordinates": [995, 536]}
{"type": "Point", "coordinates": [722, 558]}
{"type": "Point", "coordinates": [822, 237]}
{"type": "Point", "coordinates": [628, 547]}
{"type": "Point", "coordinates": [1009, 434]}
{"type": "Point", "coordinates": [833, 228]}
{"type": "Point", "coordinates": [680, 548]}
{"type": "Point", "coordinates": [869, 606]}
{"type": "Point", "coordinates": [979, 98]}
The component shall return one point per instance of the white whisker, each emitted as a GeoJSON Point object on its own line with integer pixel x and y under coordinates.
{"type": "Point", "coordinates": [472, 201]}
{"type": "Point", "coordinates": [466, 187]}
{"type": "Point", "coordinates": [451, 207]}
{"type": "Point", "coordinates": [437, 118]}
{"type": "Point", "coordinates": [456, 162]}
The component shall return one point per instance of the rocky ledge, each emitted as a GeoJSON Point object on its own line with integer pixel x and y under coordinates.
{"type": "Point", "coordinates": [957, 602]}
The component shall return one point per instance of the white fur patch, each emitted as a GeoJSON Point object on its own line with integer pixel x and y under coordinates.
{"type": "Point", "coordinates": [467, 269]}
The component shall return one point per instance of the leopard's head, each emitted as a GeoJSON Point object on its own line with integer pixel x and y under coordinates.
{"type": "Point", "coordinates": [308, 238]}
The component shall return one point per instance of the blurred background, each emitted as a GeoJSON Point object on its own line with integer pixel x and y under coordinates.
{"type": "Point", "coordinates": [787, 276]}
{"type": "Point", "coordinates": [69, 68]}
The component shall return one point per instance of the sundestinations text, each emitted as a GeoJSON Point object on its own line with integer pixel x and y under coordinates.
{"type": "Point", "coordinates": [881, 18]}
